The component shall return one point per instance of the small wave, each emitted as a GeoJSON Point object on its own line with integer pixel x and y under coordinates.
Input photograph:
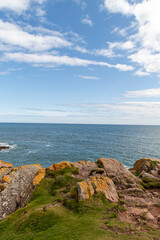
{"type": "Point", "coordinates": [48, 145]}
{"type": "Point", "coordinates": [4, 144]}
{"type": "Point", "coordinates": [32, 152]}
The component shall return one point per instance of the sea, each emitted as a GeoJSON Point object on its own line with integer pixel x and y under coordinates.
{"type": "Point", "coordinates": [49, 143]}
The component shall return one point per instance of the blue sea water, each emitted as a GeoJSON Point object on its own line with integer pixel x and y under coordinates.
{"type": "Point", "coordinates": [49, 143]}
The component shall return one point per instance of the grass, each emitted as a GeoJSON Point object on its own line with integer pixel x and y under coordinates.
{"type": "Point", "coordinates": [54, 213]}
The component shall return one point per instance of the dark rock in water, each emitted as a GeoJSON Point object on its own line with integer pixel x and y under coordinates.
{"type": "Point", "coordinates": [4, 147]}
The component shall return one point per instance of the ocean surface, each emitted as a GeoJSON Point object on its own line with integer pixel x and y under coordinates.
{"type": "Point", "coordinates": [49, 143]}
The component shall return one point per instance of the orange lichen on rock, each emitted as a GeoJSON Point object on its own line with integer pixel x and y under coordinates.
{"type": "Point", "coordinates": [7, 178]}
{"type": "Point", "coordinates": [51, 168]}
{"type": "Point", "coordinates": [5, 164]}
{"type": "Point", "coordinates": [59, 166]}
{"type": "Point", "coordinates": [40, 175]}
{"type": "Point", "coordinates": [85, 189]}
{"type": "Point", "coordinates": [97, 184]}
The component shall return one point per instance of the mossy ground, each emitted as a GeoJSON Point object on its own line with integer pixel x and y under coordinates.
{"type": "Point", "coordinates": [55, 214]}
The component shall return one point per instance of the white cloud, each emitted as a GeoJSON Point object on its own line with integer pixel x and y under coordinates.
{"type": "Point", "coordinates": [15, 5]}
{"type": "Point", "coordinates": [141, 73]}
{"type": "Point", "coordinates": [81, 49]}
{"type": "Point", "coordinates": [112, 46]}
{"type": "Point", "coordinates": [87, 77]}
{"type": "Point", "coordinates": [13, 35]}
{"type": "Point", "coordinates": [104, 52]}
{"type": "Point", "coordinates": [121, 6]}
{"type": "Point", "coordinates": [59, 60]}
{"type": "Point", "coordinates": [153, 92]}
{"type": "Point", "coordinates": [87, 21]}
{"type": "Point", "coordinates": [18, 6]}
{"type": "Point", "coordinates": [146, 36]}
{"type": "Point", "coordinates": [131, 108]}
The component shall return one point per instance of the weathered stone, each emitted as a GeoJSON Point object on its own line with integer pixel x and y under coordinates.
{"type": "Point", "coordinates": [18, 187]}
{"type": "Point", "coordinates": [85, 168]}
{"type": "Point", "coordinates": [148, 176]}
{"type": "Point", "coordinates": [118, 173]}
{"type": "Point", "coordinates": [3, 172]}
{"type": "Point", "coordinates": [149, 165]}
{"type": "Point", "coordinates": [5, 164]}
{"type": "Point", "coordinates": [59, 166]}
{"type": "Point", "coordinates": [97, 184]}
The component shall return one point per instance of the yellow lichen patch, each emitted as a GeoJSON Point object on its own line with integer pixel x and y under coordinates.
{"type": "Point", "coordinates": [97, 184]}
{"type": "Point", "coordinates": [7, 179]}
{"type": "Point", "coordinates": [61, 165]}
{"type": "Point", "coordinates": [40, 175]}
{"type": "Point", "coordinates": [86, 189]}
{"type": "Point", "coordinates": [5, 164]}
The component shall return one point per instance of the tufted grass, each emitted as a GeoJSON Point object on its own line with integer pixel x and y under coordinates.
{"type": "Point", "coordinates": [54, 213]}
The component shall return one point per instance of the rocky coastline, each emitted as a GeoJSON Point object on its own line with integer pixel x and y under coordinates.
{"type": "Point", "coordinates": [136, 191]}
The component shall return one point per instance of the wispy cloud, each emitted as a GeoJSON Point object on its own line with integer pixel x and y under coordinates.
{"type": "Point", "coordinates": [153, 92]}
{"type": "Point", "coordinates": [87, 77]}
{"type": "Point", "coordinates": [81, 3]}
{"type": "Point", "coordinates": [29, 41]}
{"type": "Point", "coordinates": [60, 60]}
{"type": "Point", "coordinates": [87, 21]}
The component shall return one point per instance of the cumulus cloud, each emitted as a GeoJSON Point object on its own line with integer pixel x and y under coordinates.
{"type": "Point", "coordinates": [153, 92]}
{"type": "Point", "coordinates": [147, 32]}
{"type": "Point", "coordinates": [121, 6]}
{"type": "Point", "coordinates": [15, 5]}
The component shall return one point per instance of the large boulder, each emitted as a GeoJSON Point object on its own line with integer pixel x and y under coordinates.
{"type": "Point", "coordinates": [121, 176]}
{"type": "Point", "coordinates": [97, 184]}
{"type": "Point", "coordinates": [149, 165]}
{"type": "Point", "coordinates": [17, 186]}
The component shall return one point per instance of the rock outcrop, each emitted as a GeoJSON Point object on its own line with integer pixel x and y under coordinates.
{"type": "Point", "coordinates": [97, 184]}
{"type": "Point", "coordinates": [17, 185]}
{"type": "Point", "coordinates": [121, 177]}
{"type": "Point", "coordinates": [148, 165]}
{"type": "Point", "coordinates": [108, 176]}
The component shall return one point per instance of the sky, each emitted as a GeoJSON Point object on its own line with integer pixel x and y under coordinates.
{"type": "Point", "coordinates": [80, 61]}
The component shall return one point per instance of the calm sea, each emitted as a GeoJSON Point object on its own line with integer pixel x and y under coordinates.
{"type": "Point", "coordinates": [50, 143]}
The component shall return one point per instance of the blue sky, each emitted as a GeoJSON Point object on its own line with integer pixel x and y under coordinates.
{"type": "Point", "coordinates": [80, 61]}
